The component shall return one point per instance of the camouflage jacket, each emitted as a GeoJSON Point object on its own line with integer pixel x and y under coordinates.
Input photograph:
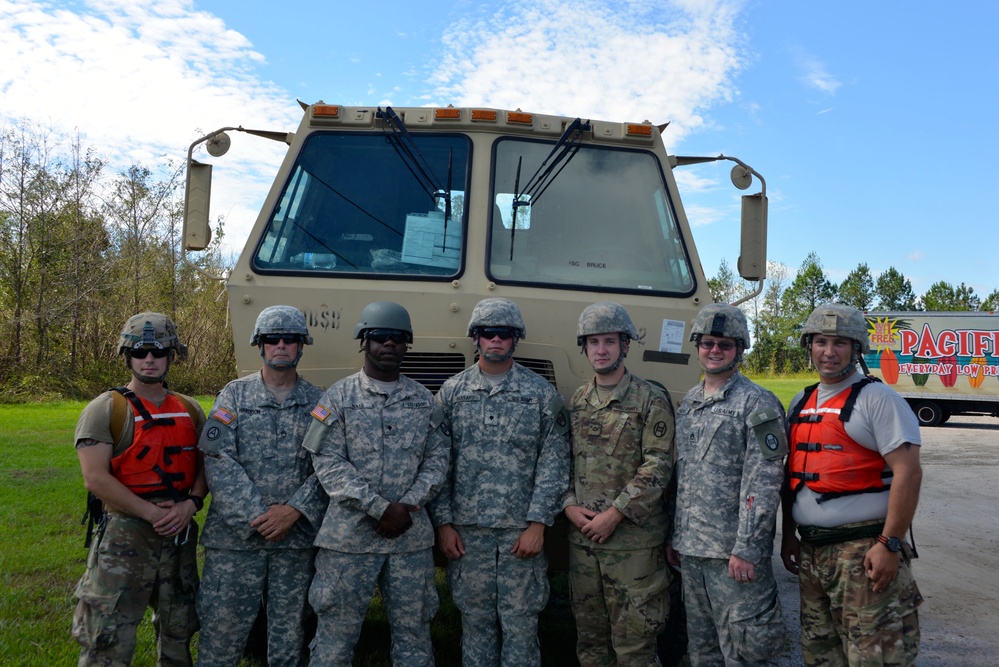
{"type": "Point", "coordinates": [254, 459]}
{"type": "Point", "coordinates": [369, 449]}
{"type": "Point", "coordinates": [622, 456]}
{"type": "Point", "coordinates": [509, 450]}
{"type": "Point", "coordinates": [730, 464]}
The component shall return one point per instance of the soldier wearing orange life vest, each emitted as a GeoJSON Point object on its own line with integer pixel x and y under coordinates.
{"type": "Point", "coordinates": [150, 481]}
{"type": "Point", "coordinates": [852, 489]}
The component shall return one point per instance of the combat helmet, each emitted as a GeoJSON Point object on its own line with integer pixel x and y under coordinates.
{"type": "Point", "coordinates": [722, 320]}
{"type": "Point", "coordinates": [147, 331]}
{"type": "Point", "coordinates": [496, 312]}
{"type": "Point", "coordinates": [281, 320]}
{"type": "Point", "coordinates": [605, 317]}
{"type": "Point", "coordinates": [384, 315]}
{"type": "Point", "coordinates": [150, 329]}
{"type": "Point", "coordinates": [837, 319]}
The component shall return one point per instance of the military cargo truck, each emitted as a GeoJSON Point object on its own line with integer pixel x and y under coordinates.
{"type": "Point", "coordinates": [942, 363]}
{"type": "Point", "coordinates": [437, 208]}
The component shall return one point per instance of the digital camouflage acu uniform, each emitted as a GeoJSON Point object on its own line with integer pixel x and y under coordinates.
{"type": "Point", "coordinates": [622, 456]}
{"type": "Point", "coordinates": [509, 467]}
{"type": "Point", "coordinates": [369, 449]}
{"type": "Point", "coordinates": [254, 459]}
{"type": "Point", "coordinates": [730, 460]}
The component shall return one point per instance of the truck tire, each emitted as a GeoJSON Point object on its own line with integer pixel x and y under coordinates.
{"type": "Point", "coordinates": [928, 413]}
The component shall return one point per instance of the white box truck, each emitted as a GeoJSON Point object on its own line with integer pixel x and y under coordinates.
{"type": "Point", "coordinates": [942, 363]}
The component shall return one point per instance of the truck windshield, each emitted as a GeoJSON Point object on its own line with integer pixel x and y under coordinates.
{"type": "Point", "coordinates": [365, 203]}
{"type": "Point", "coordinates": [604, 223]}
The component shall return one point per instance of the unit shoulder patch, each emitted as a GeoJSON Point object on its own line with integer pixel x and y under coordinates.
{"type": "Point", "coordinates": [768, 428]}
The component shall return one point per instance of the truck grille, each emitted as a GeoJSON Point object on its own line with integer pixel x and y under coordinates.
{"type": "Point", "coordinates": [542, 367]}
{"type": "Point", "coordinates": [431, 369]}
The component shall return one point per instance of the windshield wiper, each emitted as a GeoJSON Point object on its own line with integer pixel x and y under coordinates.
{"type": "Point", "coordinates": [564, 150]}
{"type": "Point", "coordinates": [417, 164]}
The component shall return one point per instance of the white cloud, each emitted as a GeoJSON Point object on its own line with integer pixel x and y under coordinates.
{"type": "Point", "coordinates": [142, 80]}
{"type": "Point", "coordinates": [660, 61]}
{"type": "Point", "coordinates": [815, 75]}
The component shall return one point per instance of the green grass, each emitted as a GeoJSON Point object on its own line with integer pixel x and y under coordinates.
{"type": "Point", "coordinates": [42, 554]}
{"type": "Point", "coordinates": [786, 387]}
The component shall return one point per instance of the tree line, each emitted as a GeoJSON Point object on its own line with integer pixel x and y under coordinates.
{"type": "Point", "coordinates": [779, 311]}
{"type": "Point", "coordinates": [83, 247]}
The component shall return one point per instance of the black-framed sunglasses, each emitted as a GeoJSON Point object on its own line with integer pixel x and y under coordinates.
{"type": "Point", "coordinates": [274, 339]}
{"type": "Point", "coordinates": [503, 333]}
{"type": "Point", "coordinates": [381, 336]}
{"type": "Point", "coordinates": [723, 345]}
{"type": "Point", "coordinates": [143, 352]}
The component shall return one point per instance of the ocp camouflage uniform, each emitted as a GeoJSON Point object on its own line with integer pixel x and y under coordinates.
{"type": "Point", "coordinates": [881, 628]}
{"type": "Point", "coordinates": [730, 457]}
{"type": "Point", "coordinates": [369, 449]}
{"type": "Point", "coordinates": [254, 459]}
{"type": "Point", "coordinates": [129, 567]}
{"type": "Point", "coordinates": [509, 467]}
{"type": "Point", "coordinates": [622, 457]}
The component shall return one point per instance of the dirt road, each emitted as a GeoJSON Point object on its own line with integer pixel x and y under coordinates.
{"type": "Point", "coordinates": [957, 536]}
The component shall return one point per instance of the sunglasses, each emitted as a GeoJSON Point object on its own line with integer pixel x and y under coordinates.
{"type": "Point", "coordinates": [723, 345]}
{"type": "Point", "coordinates": [503, 333]}
{"type": "Point", "coordinates": [274, 339]}
{"type": "Point", "coordinates": [384, 335]}
{"type": "Point", "coordinates": [143, 352]}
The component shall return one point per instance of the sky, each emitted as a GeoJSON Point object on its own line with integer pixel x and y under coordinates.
{"type": "Point", "coordinates": [873, 123]}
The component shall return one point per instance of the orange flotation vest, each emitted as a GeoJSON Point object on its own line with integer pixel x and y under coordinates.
{"type": "Point", "coordinates": [823, 457]}
{"type": "Point", "coordinates": [163, 457]}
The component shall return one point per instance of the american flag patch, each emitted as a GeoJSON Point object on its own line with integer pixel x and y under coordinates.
{"type": "Point", "coordinates": [320, 413]}
{"type": "Point", "coordinates": [224, 416]}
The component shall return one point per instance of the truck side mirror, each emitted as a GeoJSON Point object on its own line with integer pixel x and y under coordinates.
{"type": "Point", "coordinates": [197, 196]}
{"type": "Point", "coordinates": [752, 262]}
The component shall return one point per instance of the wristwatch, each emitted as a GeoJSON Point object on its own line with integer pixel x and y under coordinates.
{"type": "Point", "coordinates": [893, 543]}
{"type": "Point", "coordinates": [199, 503]}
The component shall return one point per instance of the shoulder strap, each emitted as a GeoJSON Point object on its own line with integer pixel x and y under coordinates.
{"type": "Point", "coordinates": [120, 414]}
{"type": "Point", "coordinates": [851, 400]}
{"type": "Point", "coordinates": [792, 415]}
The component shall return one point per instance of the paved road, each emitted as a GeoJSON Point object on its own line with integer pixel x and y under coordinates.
{"type": "Point", "coordinates": [957, 536]}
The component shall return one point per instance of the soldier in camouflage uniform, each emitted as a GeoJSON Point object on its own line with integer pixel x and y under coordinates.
{"type": "Point", "coordinates": [151, 482]}
{"type": "Point", "coordinates": [622, 461]}
{"type": "Point", "coordinates": [266, 501]}
{"type": "Point", "coordinates": [509, 468]}
{"type": "Point", "coordinates": [730, 447]}
{"type": "Point", "coordinates": [381, 452]}
{"type": "Point", "coordinates": [853, 487]}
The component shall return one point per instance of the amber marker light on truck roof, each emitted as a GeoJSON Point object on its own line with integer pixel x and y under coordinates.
{"type": "Point", "coordinates": [638, 130]}
{"type": "Point", "coordinates": [449, 113]}
{"type": "Point", "coordinates": [487, 115]}
{"type": "Point", "coordinates": [326, 110]}
{"type": "Point", "coordinates": [518, 117]}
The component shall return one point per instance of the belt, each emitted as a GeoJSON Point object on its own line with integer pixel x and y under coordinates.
{"type": "Point", "coordinates": [819, 536]}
